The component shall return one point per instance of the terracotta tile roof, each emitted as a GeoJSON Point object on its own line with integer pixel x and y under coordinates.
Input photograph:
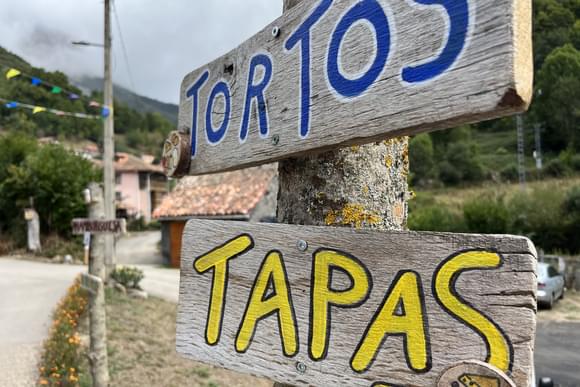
{"type": "Point", "coordinates": [125, 162]}
{"type": "Point", "coordinates": [223, 194]}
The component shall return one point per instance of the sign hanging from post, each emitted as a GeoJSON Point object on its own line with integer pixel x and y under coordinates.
{"type": "Point", "coordinates": [91, 283]}
{"type": "Point", "coordinates": [99, 226]}
{"type": "Point", "coordinates": [334, 73]}
{"type": "Point", "coordinates": [329, 306]}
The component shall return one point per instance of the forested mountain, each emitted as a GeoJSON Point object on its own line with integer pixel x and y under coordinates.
{"type": "Point", "coordinates": [138, 132]}
{"type": "Point", "coordinates": [134, 101]}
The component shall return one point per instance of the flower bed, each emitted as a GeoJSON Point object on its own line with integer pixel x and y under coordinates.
{"type": "Point", "coordinates": [61, 357]}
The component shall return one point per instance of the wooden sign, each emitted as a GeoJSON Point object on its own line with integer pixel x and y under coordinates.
{"type": "Point", "coordinates": [91, 283]}
{"type": "Point", "coordinates": [337, 307]}
{"type": "Point", "coordinates": [99, 226]}
{"type": "Point", "coordinates": [333, 73]}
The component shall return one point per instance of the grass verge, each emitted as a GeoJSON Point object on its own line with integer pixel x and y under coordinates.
{"type": "Point", "coordinates": [141, 348]}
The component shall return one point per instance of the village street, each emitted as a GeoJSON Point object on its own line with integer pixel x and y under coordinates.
{"type": "Point", "coordinates": [29, 292]}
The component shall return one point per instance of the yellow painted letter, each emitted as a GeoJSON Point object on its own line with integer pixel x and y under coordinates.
{"type": "Point", "coordinates": [497, 344]}
{"type": "Point", "coordinates": [217, 259]}
{"type": "Point", "coordinates": [402, 312]}
{"type": "Point", "coordinates": [262, 305]}
{"type": "Point", "coordinates": [323, 296]}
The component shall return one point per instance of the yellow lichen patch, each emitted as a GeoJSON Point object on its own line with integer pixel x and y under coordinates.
{"type": "Point", "coordinates": [352, 214]}
{"type": "Point", "coordinates": [355, 148]}
{"type": "Point", "coordinates": [365, 190]}
{"type": "Point", "coordinates": [388, 161]}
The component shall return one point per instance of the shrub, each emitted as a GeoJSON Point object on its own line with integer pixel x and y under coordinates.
{"type": "Point", "coordinates": [421, 158]}
{"type": "Point", "coordinates": [575, 163]}
{"type": "Point", "coordinates": [128, 276]}
{"type": "Point", "coordinates": [435, 218]}
{"type": "Point", "coordinates": [61, 357]}
{"type": "Point", "coordinates": [510, 173]}
{"type": "Point", "coordinates": [557, 168]}
{"type": "Point", "coordinates": [487, 215]}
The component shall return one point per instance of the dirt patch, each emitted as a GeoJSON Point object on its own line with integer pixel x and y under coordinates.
{"type": "Point", "coordinates": [567, 309]}
{"type": "Point", "coordinates": [141, 346]}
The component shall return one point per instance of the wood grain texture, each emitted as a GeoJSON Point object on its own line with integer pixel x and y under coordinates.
{"type": "Point", "coordinates": [505, 294]}
{"type": "Point", "coordinates": [491, 78]}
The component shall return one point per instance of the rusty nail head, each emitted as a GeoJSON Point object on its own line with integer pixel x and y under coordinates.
{"type": "Point", "coordinates": [300, 367]}
{"type": "Point", "coordinates": [275, 139]}
{"type": "Point", "coordinates": [276, 31]}
{"type": "Point", "coordinates": [302, 245]}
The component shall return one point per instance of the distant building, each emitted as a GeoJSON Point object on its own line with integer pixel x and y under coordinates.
{"type": "Point", "coordinates": [140, 186]}
{"type": "Point", "coordinates": [245, 195]}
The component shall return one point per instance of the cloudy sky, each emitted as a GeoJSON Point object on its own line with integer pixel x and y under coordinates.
{"type": "Point", "coordinates": [165, 39]}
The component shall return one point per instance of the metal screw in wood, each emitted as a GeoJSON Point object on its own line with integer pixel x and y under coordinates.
{"type": "Point", "coordinates": [302, 245]}
{"type": "Point", "coordinates": [276, 31]}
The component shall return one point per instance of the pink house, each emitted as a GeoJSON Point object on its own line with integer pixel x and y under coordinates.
{"type": "Point", "coordinates": [140, 186]}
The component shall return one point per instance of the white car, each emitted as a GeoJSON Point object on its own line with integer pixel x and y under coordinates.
{"type": "Point", "coordinates": [550, 285]}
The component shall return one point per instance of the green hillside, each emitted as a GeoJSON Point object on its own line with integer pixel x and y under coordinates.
{"type": "Point", "coordinates": [137, 132]}
{"type": "Point", "coordinates": [134, 101]}
{"type": "Point", "coordinates": [488, 150]}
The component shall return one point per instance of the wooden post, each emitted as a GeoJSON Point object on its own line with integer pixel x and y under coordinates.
{"type": "Point", "coordinates": [97, 312]}
{"type": "Point", "coordinates": [361, 186]}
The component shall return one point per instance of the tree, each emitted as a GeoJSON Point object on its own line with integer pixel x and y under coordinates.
{"type": "Point", "coordinates": [55, 179]}
{"type": "Point", "coordinates": [558, 104]}
{"type": "Point", "coordinates": [421, 159]}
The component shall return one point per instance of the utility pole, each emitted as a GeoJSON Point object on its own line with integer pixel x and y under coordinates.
{"type": "Point", "coordinates": [538, 151]}
{"type": "Point", "coordinates": [109, 144]}
{"type": "Point", "coordinates": [521, 150]}
{"type": "Point", "coordinates": [331, 189]}
{"type": "Point", "coordinates": [97, 313]}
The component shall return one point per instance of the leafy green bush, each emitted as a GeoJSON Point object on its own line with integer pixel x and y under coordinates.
{"type": "Point", "coordinates": [129, 277]}
{"type": "Point", "coordinates": [421, 159]}
{"type": "Point", "coordinates": [510, 173]}
{"type": "Point", "coordinates": [435, 218]}
{"type": "Point", "coordinates": [51, 175]}
{"type": "Point", "coordinates": [557, 168]}
{"type": "Point", "coordinates": [487, 214]}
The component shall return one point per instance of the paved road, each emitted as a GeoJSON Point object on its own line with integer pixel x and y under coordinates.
{"type": "Point", "coordinates": [558, 352]}
{"type": "Point", "coordinates": [29, 291]}
{"type": "Point", "coordinates": [139, 248]}
{"type": "Point", "coordinates": [161, 282]}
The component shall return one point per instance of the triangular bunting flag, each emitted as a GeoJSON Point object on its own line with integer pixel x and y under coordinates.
{"type": "Point", "coordinates": [105, 112]}
{"type": "Point", "coordinates": [38, 109]}
{"type": "Point", "coordinates": [12, 73]}
{"type": "Point", "coordinates": [35, 81]}
{"type": "Point", "coordinates": [11, 105]}
{"type": "Point", "coordinates": [56, 90]}
{"type": "Point", "coordinates": [94, 104]}
{"type": "Point", "coordinates": [73, 96]}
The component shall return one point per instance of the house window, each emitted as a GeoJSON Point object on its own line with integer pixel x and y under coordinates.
{"type": "Point", "coordinates": [143, 180]}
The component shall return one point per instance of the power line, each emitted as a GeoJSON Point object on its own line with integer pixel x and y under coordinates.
{"type": "Point", "coordinates": [124, 49]}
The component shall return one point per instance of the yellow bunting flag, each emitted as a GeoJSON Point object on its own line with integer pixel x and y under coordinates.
{"type": "Point", "coordinates": [12, 73]}
{"type": "Point", "coordinates": [38, 109]}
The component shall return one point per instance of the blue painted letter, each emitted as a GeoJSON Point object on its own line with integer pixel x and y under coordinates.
{"type": "Point", "coordinates": [215, 136]}
{"type": "Point", "coordinates": [458, 11]}
{"type": "Point", "coordinates": [194, 92]}
{"type": "Point", "coordinates": [372, 11]}
{"type": "Point", "coordinates": [257, 92]}
{"type": "Point", "coordinates": [302, 34]}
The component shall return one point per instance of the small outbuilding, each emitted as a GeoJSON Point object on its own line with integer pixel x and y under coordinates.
{"type": "Point", "coordinates": [244, 195]}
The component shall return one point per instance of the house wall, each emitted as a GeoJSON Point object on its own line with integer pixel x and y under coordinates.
{"type": "Point", "coordinates": [138, 199]}
{"type": "Point", "coordinates": [265, 210]}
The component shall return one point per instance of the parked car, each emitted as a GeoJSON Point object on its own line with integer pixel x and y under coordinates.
{"type": "Point", "coordinates": [558, 262]}
{"type": "Point", "coordinates": [550, 285]}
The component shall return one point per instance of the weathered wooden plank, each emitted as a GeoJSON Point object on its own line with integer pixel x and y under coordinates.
{"type": "Point", "coordinates": [91, 283]}
{"type": "Point", "coordinates": [375, 69]}
{"type": "Point", "coordinates": [497, 283]}
{"type": "Point", "coordinates": [99, 226]}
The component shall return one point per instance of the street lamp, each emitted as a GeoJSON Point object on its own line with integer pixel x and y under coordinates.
{"type": "Point", "coordinates": [87, 44]}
